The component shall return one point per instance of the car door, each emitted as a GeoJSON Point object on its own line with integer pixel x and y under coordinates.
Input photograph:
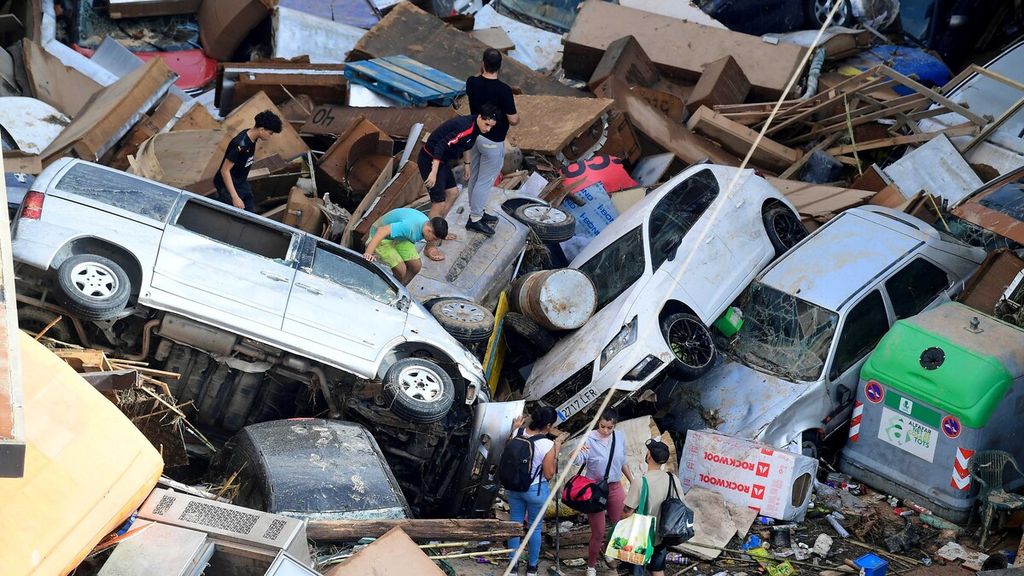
{"type": "Point", "coordinates": [863, 326]}
{"type": "Point", "coordinates": [225, 266]}
{"type": "Point", "coordinates": [344, 306]}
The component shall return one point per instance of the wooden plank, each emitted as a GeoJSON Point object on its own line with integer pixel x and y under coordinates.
{"type": "Point", "coordinates": [410, 31]}
{"type": "Point", "coordinates": [322, 88]}
{"type": "Point", "coordinates": [807, 156]}
{"type": "Point", "coordinates": [841, 123]}
{"type": "Point", "coordinates": [551, 122]}
{"type": "Point", "coordinates": [962, 130]}
{"type": "Point", "coordinates": [679, 48]}
{"type": "Point", "coordinates": [992, 127]}
{"type": "Point", "coordinates": [819, 203]}
{"type": "Point", "coordinates": [417, 529]}
{"type": "Point", "coordinates": [395, 122]}
{"type": "Point", "coordinates": [738, 139]}
{"type": "Point", "coordinates": [933, 95]}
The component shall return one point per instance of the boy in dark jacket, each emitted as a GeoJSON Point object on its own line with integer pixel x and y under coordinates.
{"type": "Point", "coordinates": [451, 140]}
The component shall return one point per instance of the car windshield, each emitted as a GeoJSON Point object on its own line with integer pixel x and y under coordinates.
{"type": "Point", "coordinates": [1008, 199]}
{"type": "Point", "coordinates": [614, 269]}
{"type": "Point", "coordinates": [784, 335]}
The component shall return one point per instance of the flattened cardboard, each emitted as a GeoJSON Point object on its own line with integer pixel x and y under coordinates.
{"type": "Point", "coordinates": [180, 158]}
{"type": "Point", "coordinates": [60, 86]}
{"type": "Point", "coordinates": [680, 49]}
{"type": "Point", "coordinates": [393, 554]}
{"type": "Point", "coordinates": [223, 24]}
{"type": "Point", "coordinates": [333, 167]}
{"type": "Point", "coordinates": [109, 114]}
{"type": "Point", "coordinates": [422, 37]}
{"type": "Point", "coordinates": [559, 119]}
{"type": "Point", "coordinates": [288, 144]}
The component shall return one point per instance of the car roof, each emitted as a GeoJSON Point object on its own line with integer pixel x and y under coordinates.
{"type": "Point", "coordinates": [839, 259]}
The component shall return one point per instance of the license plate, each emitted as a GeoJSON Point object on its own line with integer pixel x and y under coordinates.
{"type": "Point", "coordinates": [577, 403]}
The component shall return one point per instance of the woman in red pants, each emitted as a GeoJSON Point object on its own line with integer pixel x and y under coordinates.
{"type": "Point", "coordinates": [595, 454]}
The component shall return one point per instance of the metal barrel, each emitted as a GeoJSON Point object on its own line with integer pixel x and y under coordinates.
{"type": "Point", "coordinates": [555, 299]}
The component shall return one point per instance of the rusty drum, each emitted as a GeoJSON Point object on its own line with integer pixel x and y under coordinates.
{"type": "Point", "coordinates": [555, 299]}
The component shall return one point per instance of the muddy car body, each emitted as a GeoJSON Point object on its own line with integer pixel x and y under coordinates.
{"type": "Point", "coordinates": [248, 311]}
{"type": "Point", "coordinates": [811, 319]}
{"type": "Point", "coordinates": [670, 265]}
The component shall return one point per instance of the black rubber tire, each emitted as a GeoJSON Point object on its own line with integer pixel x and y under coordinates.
{"type": "Point", "coordinates": [526, 337]}
{"type": "Point", "coordinates": [815, 18]}
{"type": "Point", "coordinates": [84, 273]}
{"type": "Point", "coordinates": [467, 321]}
{"type": "Point", "coordinates": [693, 358]}
{"type": "Point", "coordinates": [418, 390]}
{"type": "Point", "coordinates": [551, 224]}
{"type": "Point", "coordinates": [32, 320]}
{"type": "Point", "coordinates": [783, 227]}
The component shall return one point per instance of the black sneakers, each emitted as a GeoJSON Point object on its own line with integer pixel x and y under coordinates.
{"type": "Point", "coordinates": [489, 218]}
{"type": "Point", "coordinates": [480, 226]}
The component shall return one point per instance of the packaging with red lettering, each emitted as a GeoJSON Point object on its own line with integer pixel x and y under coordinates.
{"type": "Point", "coordinates": [775, 482]}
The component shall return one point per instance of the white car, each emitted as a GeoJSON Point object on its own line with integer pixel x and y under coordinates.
{"type": "Point", "coordinates": [664, 272]}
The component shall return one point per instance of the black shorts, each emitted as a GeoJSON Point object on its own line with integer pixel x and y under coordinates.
{"type": "Point", "coordinates": [244, 192]}
{"type": "Point", "coordinates": [445, 176]}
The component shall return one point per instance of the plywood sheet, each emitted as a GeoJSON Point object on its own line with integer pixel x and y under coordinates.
{"type": "Point", "coordinates": [287, 144]}
{"type": "Point", "coordinates": [410, 31]}
{"type": "Point", "coordinates": [679, 48]}
{"type": "Point", "coordinates": [817, 203]}
{"type": "Point", "coordinates": [393, 554]}
{"type": "Point", "coordinates": [60, 86]}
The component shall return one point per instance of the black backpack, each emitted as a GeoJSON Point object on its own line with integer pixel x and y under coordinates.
{"type": "Point", "coordinates": [515, 470]}
{"type": "Point", "coordinates": [675, 519]}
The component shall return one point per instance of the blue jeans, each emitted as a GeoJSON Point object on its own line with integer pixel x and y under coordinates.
{"type": "Point", "coordinates": [527, 506]}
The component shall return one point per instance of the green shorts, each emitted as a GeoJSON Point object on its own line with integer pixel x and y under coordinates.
{"type": "Point", "coordinates": [394, 252]}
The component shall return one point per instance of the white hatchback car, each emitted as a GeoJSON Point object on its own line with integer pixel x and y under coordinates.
{"type": "Point", "coordinates": [664, 272]}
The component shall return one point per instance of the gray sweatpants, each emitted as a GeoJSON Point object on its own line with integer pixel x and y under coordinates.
{"type": "Point", "coordinates": [487, 158]}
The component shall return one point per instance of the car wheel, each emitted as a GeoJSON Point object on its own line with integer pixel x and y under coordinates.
{"type": "Point", "coordinates": [526, 337]}
{"type": "Point", "coordinates": [93, 287]}
{"type": "Point", "coordinates": [784, 228]}
{"type": "Point", "coordinates": [33, 320]}
{"type": "Point", "coordinates": [466, 321]}
{"type": "Point", "coordinates": [418, 390]}
{"type": "Point", "coordinates": [691, 344]}
{"type": "Point", "coordinates": [817, 11]}
{"type": "Point", "coordinates": [549, 223]}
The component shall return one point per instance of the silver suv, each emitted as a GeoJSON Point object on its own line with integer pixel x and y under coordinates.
{"type": "Point", "coordinates": [252, 293]}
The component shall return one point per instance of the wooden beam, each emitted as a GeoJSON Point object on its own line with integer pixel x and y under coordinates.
{"type": "Point", "coordinates": [417, 529]}
{"type": "Point", "coordinates": [842, 124]}
{"type": "Point", "coordinates": [933, 96]}
{"type": "Point", "coordinates": [738, 139]}
{"type": "Point", "coordinates": [994, 125]}
{"type": "Point", "coordinates": [962, 130]}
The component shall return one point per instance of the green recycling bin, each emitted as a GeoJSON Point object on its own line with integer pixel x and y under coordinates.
{"type": "Point", "coordinates": [939, 387]}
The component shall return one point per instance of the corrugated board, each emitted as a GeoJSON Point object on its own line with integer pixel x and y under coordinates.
{"type": "Point", "coordinates": [287, 144]}
{"type": "Point", "coordinates": [679, 48]}
{"type": "Point", "coordinates": [111, 112]}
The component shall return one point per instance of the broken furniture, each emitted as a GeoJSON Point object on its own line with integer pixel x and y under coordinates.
{"type": "Point", "coordinates": [987, 468]}
{"type": "Point", "coordinates": [281, 81]}
{"type": "Point", "coordinates": [406, 80]}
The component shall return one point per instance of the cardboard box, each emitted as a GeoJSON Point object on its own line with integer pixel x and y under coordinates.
{"type": "Point", "coordinates": [149, 8]}
{"type": "Point", "coordinates": [775, 482]}
{"type": "Point", "coordinates": [223, 24]}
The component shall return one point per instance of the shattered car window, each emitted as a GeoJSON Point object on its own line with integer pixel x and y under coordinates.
{"type": "Point", "coordinates": [346, 273]}
{"type": "Point", "coordinates": [118, 189]}
{"type": "Point", "coordinates": [614, 269]}
{"type": "Point", "coordinates": [784, 335]}
{"type": "Point", "coordinates": [677, 212]}
{"type": "Point", "coordinates": [1008, 199]}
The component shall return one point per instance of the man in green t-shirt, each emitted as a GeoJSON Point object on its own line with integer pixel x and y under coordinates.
{"type": "Point", "coordinates": [393, 239]}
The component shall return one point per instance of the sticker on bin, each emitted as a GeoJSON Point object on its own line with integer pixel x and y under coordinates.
{"type": "Point", "coordinates": [961, 479]}
{"type": "Point", "coordinates": [775, 482]}
{"type": "Point", "coordinates": [873, 390]}
{"type": "Point", "coordinates": [908, 434]}
{"type": "Point", "coordinates": [858, 415]}
{"type": "Point", "coordinates": [951, 427]}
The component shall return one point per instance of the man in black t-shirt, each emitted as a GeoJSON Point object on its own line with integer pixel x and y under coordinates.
{"type": "Point", "coordinates": [488, 153]}
{"type": "Point", "coordinates": [232, 179]}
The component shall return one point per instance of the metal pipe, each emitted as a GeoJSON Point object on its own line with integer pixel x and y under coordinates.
{"type": "Point", "coordinates": [304, 365]}
{"type": "Point", "coordinates": [147, 330]}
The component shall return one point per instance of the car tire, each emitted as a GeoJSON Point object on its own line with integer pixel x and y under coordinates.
{"type": "Point", "coordinates": [93, 287]}
{"type": "Point", "coordinates": [33, 320]}
{"type": "Point", "coordinates": [468, 322]}
{"type": "Point", "coordinates": [691, 343]}
{"type": "Point", "coordinates": [549, 223]}
{"type": "Point", "coordinates": [817, 10]}
{"type": "Point", "coordinates": [418, 390]}
{"type": "Point", "coordinates": [783, 227]}
{"type": "Point", "coordinates": [526, 337]}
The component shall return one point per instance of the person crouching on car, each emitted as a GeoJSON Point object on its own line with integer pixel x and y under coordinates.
{"type": "Point", "coordinates": [393, 239]}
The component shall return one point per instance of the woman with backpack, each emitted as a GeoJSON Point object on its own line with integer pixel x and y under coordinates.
{"type": "Point", "coordinates": [527, 464]}
{"type": "Point", "coordinates": [604, 458]}
{"type": "Point", "coordinates": [658, 485]}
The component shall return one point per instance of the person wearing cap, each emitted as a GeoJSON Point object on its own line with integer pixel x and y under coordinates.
{"type": "Point", "coordinates": [657, 492]}
{"type": "Point", "coordinates": [451, 140]}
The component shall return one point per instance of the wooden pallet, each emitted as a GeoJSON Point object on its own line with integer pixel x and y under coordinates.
{"type": "Point", "coordinates": [407, 80]}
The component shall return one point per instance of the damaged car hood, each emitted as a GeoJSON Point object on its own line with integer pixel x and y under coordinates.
{"type": "Point", "coordinates": [735, 399]}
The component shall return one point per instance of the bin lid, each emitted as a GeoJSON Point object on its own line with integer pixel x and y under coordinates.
{"type": "Point", "coordinates": [938, 358]}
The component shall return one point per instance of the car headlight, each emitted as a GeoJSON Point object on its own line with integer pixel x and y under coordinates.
{"type": "Point", "coordinates": [624, 339]}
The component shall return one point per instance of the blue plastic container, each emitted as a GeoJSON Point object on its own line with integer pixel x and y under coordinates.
{"type": "Point", "coordinates": [871, 565]}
